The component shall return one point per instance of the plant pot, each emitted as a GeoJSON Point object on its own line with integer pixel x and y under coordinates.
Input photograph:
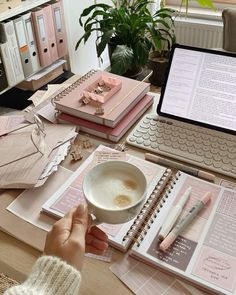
{"type": "Point", "coordinates": [159, 66]}
{"type": "Point", "coordinates": [134, 72]}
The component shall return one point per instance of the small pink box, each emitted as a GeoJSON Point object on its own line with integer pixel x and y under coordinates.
{"type": "Point", "coordinates": [102, 89]}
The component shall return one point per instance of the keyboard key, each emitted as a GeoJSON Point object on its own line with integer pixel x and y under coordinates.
{"type": "Point", "coordinates": [208, 162]}
{"type": "Point", "coordinates": [146, 136]}
{"type": "Point", "coordinates": [132, 138]}
{"type": "Point", "coordinates": [232, 156]}
{"type": "Point", "coordinates": [139, 140]}
{"type": "Point", "coordinates": [232, 149]}
{"type": "Point", "coordinates": [208, 155]}
{"type": "Point", "coordinates": [154, 145]}
{"type": "Point", "coordinates": [217, 164]}
{"type": "Point", "coordinates": [233, 163]}
{"type": "Point", "coordinates": [147, 142]}
{"type": "Point", "coordinates": [144, 126]}
{"type": "Point", "coordinates": [151, 133]}
{"type": "Point", "coordinates": [153, 138]}
{"type": "Point", "coordinates": [226, 160]}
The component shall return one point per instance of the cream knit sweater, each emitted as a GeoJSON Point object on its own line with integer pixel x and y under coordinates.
{"type": "Point", "coordinates": [50, 276]}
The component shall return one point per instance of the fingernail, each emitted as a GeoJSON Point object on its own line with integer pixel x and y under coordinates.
{"type": "Point", "coordinates": [81, 209]}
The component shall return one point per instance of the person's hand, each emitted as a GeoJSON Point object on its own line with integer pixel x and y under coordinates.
{"type": "Point", "coordinates": [70, 238]}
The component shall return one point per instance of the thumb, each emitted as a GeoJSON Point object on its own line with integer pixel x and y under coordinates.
{"type": "Point", "coordinates": [80, 221]}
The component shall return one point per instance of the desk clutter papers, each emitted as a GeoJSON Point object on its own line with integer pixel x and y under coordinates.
{"type": "Point", "coordinates": [26, 209]}
{"type": "Point", "coordinates": [25, 212]}
{"type": "Point", "coordinates": [22, 164]}
{"type": "Point", "coordinates": [42, 105]}
{"type": "Point", "coordinates": [11, 123]}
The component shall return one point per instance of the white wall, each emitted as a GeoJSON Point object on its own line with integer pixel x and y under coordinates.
{"type": "Point", "coordinates": [85, 57]}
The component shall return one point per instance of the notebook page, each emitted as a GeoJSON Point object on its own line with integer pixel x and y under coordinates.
{"type": "Point", "coordinates": [204, 253]}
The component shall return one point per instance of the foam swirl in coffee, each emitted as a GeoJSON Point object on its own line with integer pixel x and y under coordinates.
{"type": "Point", "coordinates": [115, 190]}
{"type": "Point", "coordinates": [122, 201]}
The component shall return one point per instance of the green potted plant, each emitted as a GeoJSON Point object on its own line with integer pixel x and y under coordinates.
{"type": "Point", "coordinates": [162, 38]}
{"type": "Point", "coordinates": [128, 28]}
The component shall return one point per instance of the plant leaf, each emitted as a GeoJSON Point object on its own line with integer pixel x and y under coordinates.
{"type": "Point", "coordinates": [122, 59]}
{"type": "Point", "coordinates": [141, 51]}
{"type": "Point", "coordinates": [104, 41]}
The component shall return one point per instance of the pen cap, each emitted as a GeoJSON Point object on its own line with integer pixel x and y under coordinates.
{"type": "Point", "coordinates": [165, 244]}
{"type": "Point", "coordinates": [206, 175]}
{"type": "Point", "coordinates": [185, 197]}
{"type": "Point", "coordinates": [206, 198]}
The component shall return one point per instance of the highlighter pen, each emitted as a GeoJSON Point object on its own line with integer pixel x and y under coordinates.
{"type": "Point", "coordinates": [184, 168]}
{"type": "Point", "coordinates": [174, 214]}
{"type": "Point", "coordinates": [165, 244]}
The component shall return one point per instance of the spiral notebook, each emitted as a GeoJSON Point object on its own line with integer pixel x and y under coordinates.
{"type": "Point", "coordinates": [205, 252]}
{"type": "Point", "coordinates": [130, 93]}
{"type": "Point", "coordinates": [113, 134]}
{"type": "Point", "coordinates": [70, 194]}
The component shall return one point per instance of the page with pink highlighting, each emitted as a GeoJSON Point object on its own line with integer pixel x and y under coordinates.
{"type": "Point", "coordinates": [204, 253]}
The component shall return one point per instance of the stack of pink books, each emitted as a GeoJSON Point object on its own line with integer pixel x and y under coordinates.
{"type": "Point", "coordinates": [125, 101]}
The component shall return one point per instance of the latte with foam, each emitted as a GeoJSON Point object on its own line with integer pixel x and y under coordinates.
{"type": "Point", "coordinates": [115, 190]}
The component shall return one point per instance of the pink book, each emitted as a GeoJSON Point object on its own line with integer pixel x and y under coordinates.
{"type": "Point", "coordinates": [115, 109]}
{"type": "Point", "coordinates": [113, 134]}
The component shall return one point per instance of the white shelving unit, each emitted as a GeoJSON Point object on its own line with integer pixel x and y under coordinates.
{"type": "Point", "coordinates": [25, 5]}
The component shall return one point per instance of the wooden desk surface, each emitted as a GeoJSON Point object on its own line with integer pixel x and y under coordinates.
{"type": "Point", "coordinates": [17, 258]}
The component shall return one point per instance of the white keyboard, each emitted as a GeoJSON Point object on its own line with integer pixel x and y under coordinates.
{"type": "Point", "coordinates": [210, 149]}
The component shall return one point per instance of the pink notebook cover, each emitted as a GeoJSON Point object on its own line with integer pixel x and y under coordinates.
{"type": "Point", "coordinates": [131, 92]}
{"type": "Point", "coordinates": [113, 134]}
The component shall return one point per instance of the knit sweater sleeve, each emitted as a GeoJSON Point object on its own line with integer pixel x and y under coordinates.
{"type": "Point", "coordinates": [50, 276]}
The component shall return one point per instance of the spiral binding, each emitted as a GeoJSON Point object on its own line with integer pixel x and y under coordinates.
{"type": "Point", "coordinates": [152, 215]}
{"type": "Point", "coordinates": [144, 214]}
{"type": "Point", "coordinates": [73, 86]}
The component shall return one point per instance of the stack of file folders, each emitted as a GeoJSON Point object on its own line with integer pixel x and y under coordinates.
{"type": "Point", "coordinates": [30, 42]}
{"type": "Point", "coordinates": [118, 113]}
{"type": "Point", "coordinates": [30, 154]}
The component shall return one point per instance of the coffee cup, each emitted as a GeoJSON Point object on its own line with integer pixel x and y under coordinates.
{"type": "Point", "coordinates": [115, 191]}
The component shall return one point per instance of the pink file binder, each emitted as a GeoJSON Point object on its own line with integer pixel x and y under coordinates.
{"type": "Point", "coordinates": [60, 29]}
{"type": "Point", "coordinates": [50, 32]}
{"type": "Point", "coordinates": [39, 22]}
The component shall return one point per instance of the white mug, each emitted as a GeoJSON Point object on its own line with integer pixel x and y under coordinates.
{"type": "Point", "coordinates": [115, 191]}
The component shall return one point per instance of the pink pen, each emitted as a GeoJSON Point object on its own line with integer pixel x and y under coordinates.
{"type": "Point", "coordinates": [180, 226]}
